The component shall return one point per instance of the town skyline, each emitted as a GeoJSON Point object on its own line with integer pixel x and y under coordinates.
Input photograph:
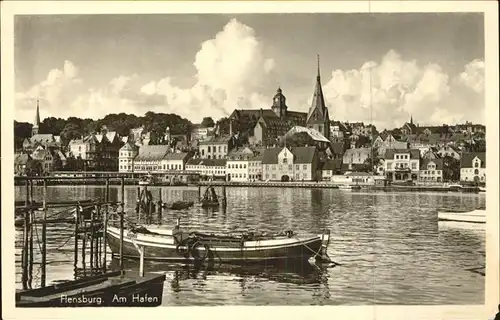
{"type": "Point", "coordinates": [431, 77]}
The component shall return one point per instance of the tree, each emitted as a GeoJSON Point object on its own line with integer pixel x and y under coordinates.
{"type": "Point", "coordinates": [22, 130]}
{"type": "Point", "coordinates": [207, 122]}
{"type": "Point", "coordinates": [34, 168]}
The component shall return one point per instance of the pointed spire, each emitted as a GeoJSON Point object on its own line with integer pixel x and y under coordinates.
{"type": "Point", "coordinates": [318, 110]}
{"type": "Point", "coordinates": [318, 77]}
{"type": "Point", "coordinates": [411, 119]}
{"type": "Point", "coordinates": [37, 116]}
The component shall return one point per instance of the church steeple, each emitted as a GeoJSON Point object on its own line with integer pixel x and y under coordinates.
{"type": "Point", "coordinates": [36, 124]}
{"type": "Point", "coordinates": [411, 119]}
{"type": "Point", "coordinates": [318, 117]}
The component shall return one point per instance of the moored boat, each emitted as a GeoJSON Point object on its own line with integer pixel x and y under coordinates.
{"type": "Point", "coordinates": [349, 187]}
{"type": "Point", "coordinates": [472, 216]}
{"type": "Point", "coordinates": [98, 291]}
{"type": "Point", "coordinates": [146, 180]}
{"type": "Point", "coordinates": [179, 205]}
{"type": "Point", "coordinates": [176, 245]}
{"type": "Point", "coordinates": [210, 199]}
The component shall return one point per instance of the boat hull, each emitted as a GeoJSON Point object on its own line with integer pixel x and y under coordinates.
{"type": "Point", "coordinates": [97, 291]}
{"type": "Point", "coordinates": [164, 248]}
{"type": "Point", "coordinates": [476, 216]}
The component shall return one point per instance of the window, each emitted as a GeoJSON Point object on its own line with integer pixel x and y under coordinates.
{"type": "Point", "coordinates": [208, 148]}
{"type": "Point", "coordinates": [244, 166]}
{"type": "Point", "coordinates": [225, 149]}
{"type": "Point", "coordinates": [476, 165]}
{"type": "Point", "coordinates": [304, 167]}
{"type": "Point", "coordinates": [220, 149]}
{"type": "Point", "coordinates": [290, 167]}
{"type": "Point", "coordinates": [284, 160]}
{"type": "Point", "coordinates": [274, 176]}
{"type": "Point", "coordinates": [397, 157]}
{"type": "Point", "coordinates": [413, 166]}
{"type": "Point", "coordinates": [297, 167]}
{"type": "Point", "coordinates": [476, 171]}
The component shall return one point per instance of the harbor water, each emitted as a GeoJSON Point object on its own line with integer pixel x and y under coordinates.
{"type": "Point", "coordinates": [390, 247]}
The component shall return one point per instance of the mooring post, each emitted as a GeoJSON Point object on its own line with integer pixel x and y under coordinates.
{"type": "Point", "coordinates": [30, 246]}
{"type": "Point", "coordinates": [160, 206]}
{"type": "Point", "coordinates": [224, 200]}
{"type": "Point", "coordinates": [199, 192]}
{"type": "Point", "coordinates": [105, 230]}
{"type": "Point", "coordinates": [75, 258]}
{"type": "Point", "coordinates": [44, 235]}
{"type": "Point", "coordinates": [121, 222]}
{"type": "Point", "coordinates": [92, 237]}
{"type": "Point", "coordinates": [98, 241]}
{"type": "Point", "coordinates": [25, 249]}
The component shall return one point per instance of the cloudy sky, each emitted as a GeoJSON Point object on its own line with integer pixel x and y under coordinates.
{"type": "Point", "coordinates": [376, 68]}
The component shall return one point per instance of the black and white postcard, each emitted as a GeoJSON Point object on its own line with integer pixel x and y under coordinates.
{"type": "Point", "coordinates": [250, 159]}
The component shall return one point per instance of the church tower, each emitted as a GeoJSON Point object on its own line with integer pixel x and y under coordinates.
{"type": "Point", "coordinates": [279, 104]}
{"type": "Point", "coordinates": [36, 124]}
{"type": "Point", "coordinates": [317, 117]}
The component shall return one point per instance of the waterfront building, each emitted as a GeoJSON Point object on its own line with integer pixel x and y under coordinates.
{"type": "Point", "coordinates": [126, 158]}
{"type": "Point", "coordinates": [388, 142]}
{"type": "Point", "coordinates": [149, 158]}
{"type": "Point", "coordinates": [402, 164]}
{"type": "Point", "coordinates": [84, 148]}
{"type": "Point", "coordinates": [431, 170]}
{"type": "Point", "coordinates": [473, 167]}
{"type": "Point", "coordinates": [238, 164]}
{"type": "Point", "coordinates": [175, 161]}
{"type": "Point", "coordinates": [47, 159]}
{"type": "Point", "coordinates": [285, 164]}
{"type": "Point", "coordinates": [330, 168]}
{"type": "Point", "coordinates": [215, 148]}
{"type": "Point", "coordinates": [449, 151]}
{"type": "Point", "coordinates": [108, 149]}
{"type": "Point", "coordinates": [318, 117]}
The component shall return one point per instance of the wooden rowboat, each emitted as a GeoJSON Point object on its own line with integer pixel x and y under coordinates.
{"type": "Point", "coordinates": [104, 290]}
{"type": "Point", "coordinates": [474, 216]}
{"type": "Point", "coordinates": [175, 245]}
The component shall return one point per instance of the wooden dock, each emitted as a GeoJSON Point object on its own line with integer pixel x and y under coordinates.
{"type": "Point", "coordinates": [90, 219]}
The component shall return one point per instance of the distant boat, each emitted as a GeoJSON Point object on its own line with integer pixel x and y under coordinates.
{"type": "Point", "coordinates": [179, 205]}
{"type": "Point", "coordinates": [472, 216]}
{"type": "Point", "coordinates": [482, 189]}
{"type": "Point", "coordinates": [146, 180]}
{"type": "Point", "coordinates": [210, 199]}
{"type": "Point", "coordinates": [349, 187]}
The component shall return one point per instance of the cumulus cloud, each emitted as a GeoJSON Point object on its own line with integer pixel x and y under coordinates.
{"type": "Point", "coordinates": [388, 92]}
{"type": "Point", "coordinates": [473, 76]}
{"type": "Point", "coordinates": [55, 92]}
{"type": "Point", "coordinates": [231, 72]}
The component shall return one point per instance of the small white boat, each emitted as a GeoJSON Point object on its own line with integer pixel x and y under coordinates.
{"type": "Point", "coordinates": [474, 216]}
{"type": "Point", "coordinates": [349, 187]}
{"type": "Point", "coordinates": [482, 189]}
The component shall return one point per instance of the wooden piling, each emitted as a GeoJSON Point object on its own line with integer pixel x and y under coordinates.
{"type": "Point", "coordinates": [83, 234]}
{"type": "Point", "coordinates": [98, 238]}
{"type": "Point", "coordinates": [44, 236]}
{"type": "Point", "coordinates": [92, 238]}
{"type": "Point", "coordinates": [75, 258]}
{"type": "Point", "coordinates": [121, 221]}
{"type": "Point", "coordinates": [25, 251]}
{"type": "Point", "coordinates": [30, 249]}
{"type": "Point", "coordinates": [105, 229]}
{"type": "Point", "coordinates": [224, 198]}
{"type": "Point", "coordinates": [160, 207]}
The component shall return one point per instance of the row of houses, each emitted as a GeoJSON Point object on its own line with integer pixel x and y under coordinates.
{"type": "Point", "coordinates": [307, 163]}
